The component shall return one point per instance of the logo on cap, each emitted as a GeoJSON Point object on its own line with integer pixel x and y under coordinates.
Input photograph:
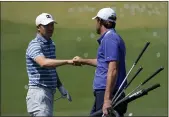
{"type": "Point", "coordinates": [48, 16]}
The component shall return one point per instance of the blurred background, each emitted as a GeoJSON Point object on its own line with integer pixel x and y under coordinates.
{"type": "Point", "coordinates": [137, 23]}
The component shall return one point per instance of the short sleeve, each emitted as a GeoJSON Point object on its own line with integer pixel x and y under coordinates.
{"type": "Point", "coordinates": [111, 50]}
{"type": "Point", "coordinates": [34, 50]}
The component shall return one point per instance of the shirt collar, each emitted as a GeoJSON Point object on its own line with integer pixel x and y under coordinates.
{"type": "Point", "coordinates": [43, 39]}
{"type": "Point", "coordinates": [101, 38]}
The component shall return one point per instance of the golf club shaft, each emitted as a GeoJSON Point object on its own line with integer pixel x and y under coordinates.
{"type": "Point", "coordinates": [145, 47]}
{"type": "Point", "coordinates": [138, 71]}
{"type": "Point", "coordinates": [150, 77]}
{"type": "Point", "coordinates": [122, 83]}
{"type": "Point", "coordinates": [58, 98]}
{"type": "Point", "coordinates": [138, 58]}
{"type": "Point", "coordinates": [134, 90]}
{"type": "Point", "coordinates": [155, 73]}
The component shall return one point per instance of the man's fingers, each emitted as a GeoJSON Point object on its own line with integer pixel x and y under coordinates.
{"type": "Point", "coordinates": [77, 64]}
{"type": "Point", "coordinates": [105, 112]}
{"type": "Point", "coordinates": [76, 57]}
{"type": "Point", "coordinates": [75, 60]}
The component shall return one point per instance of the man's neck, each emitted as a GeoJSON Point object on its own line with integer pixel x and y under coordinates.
{"type": "Point", "coordinates": [47, 38]}
{"type": "Point", "coordinates": [103, 30]}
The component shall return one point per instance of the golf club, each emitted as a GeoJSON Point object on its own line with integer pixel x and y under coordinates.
{"type": "Point", "coordinates": [150, 77]}
{"type": "Point", "coordinates": [130, 98]}
{"type": "Point", "coordinates": [59, 98]}
{"type": "Point", "coordinates": [155, 73]}
{"type": "Point", "coordinates": [138, 58]}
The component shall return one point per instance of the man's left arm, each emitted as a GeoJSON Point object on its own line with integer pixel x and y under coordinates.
{"type": "Point", "coordinates": [111, 51]}
{"type": "Point", "coordinates": [110, 84]}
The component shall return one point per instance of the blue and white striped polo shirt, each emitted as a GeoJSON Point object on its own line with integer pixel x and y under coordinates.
{"type": "Point", "coordinates": [40, 76]}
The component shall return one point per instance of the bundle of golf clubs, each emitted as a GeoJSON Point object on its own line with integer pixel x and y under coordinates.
{"type": "Point", "coordinates": [134, 94]}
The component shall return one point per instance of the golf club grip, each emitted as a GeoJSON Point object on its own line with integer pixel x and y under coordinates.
{"type": "Point", "coordinates": [96, 113]}
{"type": "Point", "coordinates": [152, 87]}
{"type": "Point", "coordinates": [142, 93]}
{"type": "Point", "coordinates": [131, 98]}
{"type": "Point", "coordinates": [155, 73]}
{"type": "Point", "coordinates": [138, 71]}
{"type": "Point", "coordinates": [137, 95]}
{"type": "Point", "coordinates": [145, 47]}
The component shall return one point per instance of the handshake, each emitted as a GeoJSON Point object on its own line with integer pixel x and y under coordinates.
{"type": "Point", "coordinates": [76, 61]}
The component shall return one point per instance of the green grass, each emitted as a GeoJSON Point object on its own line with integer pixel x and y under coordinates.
{"type": "Point", "coordinates": [18, 29]}
{"type": "Point", "coordinates": [26, 12]}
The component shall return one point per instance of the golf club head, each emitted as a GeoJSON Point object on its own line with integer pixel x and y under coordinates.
{"type": "Point", "coordinates": [58, 98]}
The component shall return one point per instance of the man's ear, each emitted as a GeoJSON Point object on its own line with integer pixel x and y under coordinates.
{"type": "Point", "coordinates": [108, 23]}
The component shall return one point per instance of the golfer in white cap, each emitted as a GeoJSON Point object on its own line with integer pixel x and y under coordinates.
{"type": "Point", "coordinates": [41, 66]}
{"type": "Point", "coordinates": [109, 63]}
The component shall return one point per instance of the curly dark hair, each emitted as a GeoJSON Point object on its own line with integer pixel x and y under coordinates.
{"type": "Point", "coordinates": [108, 24]}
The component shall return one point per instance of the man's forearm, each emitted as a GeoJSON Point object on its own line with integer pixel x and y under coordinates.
{"type": "Point", "coordinates": [111, 80]}
{"type": "Point", "coordinates": [54, 63]}
{"type": "Point", "coordinates": [91, 62]}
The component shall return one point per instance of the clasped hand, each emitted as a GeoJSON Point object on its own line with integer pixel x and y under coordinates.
{"type": "Point", "coordinates": [76, 61]}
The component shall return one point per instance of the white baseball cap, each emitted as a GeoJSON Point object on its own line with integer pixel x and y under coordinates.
{"type": "Point", "coordinates": [105, 14]}
{"type": "Point", "coordinates": [44, 19]}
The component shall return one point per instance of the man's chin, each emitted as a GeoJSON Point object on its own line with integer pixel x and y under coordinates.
{"type": "Point", "coordinates": [50, 35]}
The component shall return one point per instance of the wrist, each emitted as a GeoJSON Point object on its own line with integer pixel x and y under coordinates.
{"type": "Point", "coordinates": [68, 62]}
{"type": "Point", "coordinates": [107, 101]}
{"type": "Point", "coordinates": [107, 96]}
{"type": "Point", "coordinates": [83, 61]}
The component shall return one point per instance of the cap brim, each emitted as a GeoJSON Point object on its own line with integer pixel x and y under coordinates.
{"type": "Point", "coordinates": [48, 22]}
{"type": "Point", "coordinates": [94, 17]}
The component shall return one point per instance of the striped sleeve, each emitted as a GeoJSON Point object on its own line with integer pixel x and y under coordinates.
{"type": "Point", "coordinates": [34, 50]}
